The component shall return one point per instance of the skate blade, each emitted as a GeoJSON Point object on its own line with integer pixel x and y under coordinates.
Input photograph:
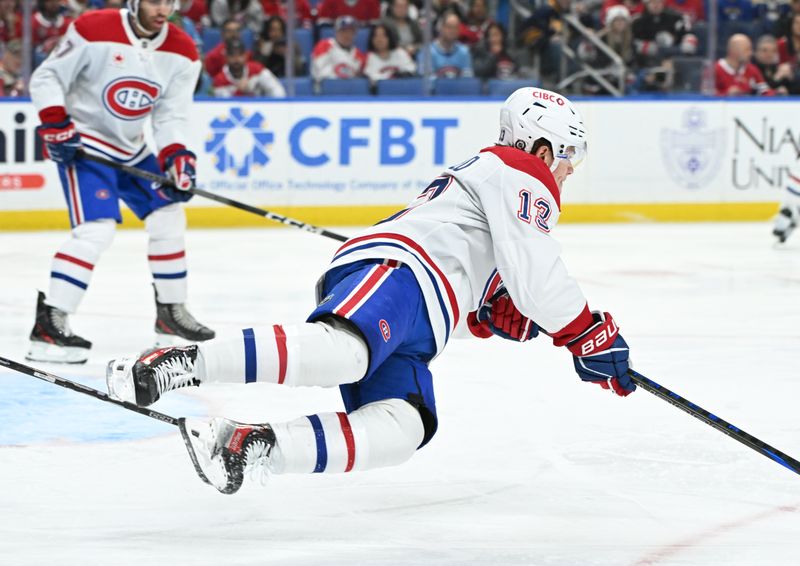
{"type": "Point", "coordinates": [119, 379]}
{"type": "Point", "coordinates": [44, 352]}
{"type": "Point", "coordinates": [200, 439]}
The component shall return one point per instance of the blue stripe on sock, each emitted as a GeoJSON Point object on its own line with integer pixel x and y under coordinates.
{"type": "Point", "coordinates": [68, 279]}
{"type": "Point", "coordinates": [322, 450]}
{"type": "Point", "coordinates": [250, 359]}
{"type": "Point", "coordinates": [180, 275]}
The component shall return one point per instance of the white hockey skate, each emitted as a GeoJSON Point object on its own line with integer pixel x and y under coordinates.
{"type": "Point", "coordinates": [143, 379]}
{"type": "Point", "coordinates": [223, 451]}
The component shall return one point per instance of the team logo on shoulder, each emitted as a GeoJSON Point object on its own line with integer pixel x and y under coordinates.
{"type": "Point", "coordinates": [386, 332]}
{"type": "Point", "coordinates": [130, 98]}
{"type": "Point", "coordinates": [325, 300]}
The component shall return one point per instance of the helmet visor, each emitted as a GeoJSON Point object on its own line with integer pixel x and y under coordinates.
{"type": "Point", "coordinates": [575, 153]}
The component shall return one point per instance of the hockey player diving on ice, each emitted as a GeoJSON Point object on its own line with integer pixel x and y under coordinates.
{"type": "Point", "coordinates": [111, 71]}
{"type": "Point", "coordinates": [473, 251]}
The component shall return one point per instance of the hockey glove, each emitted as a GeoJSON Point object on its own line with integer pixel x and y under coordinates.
{"type": "Point", "coordinates": [501, 317]}
{"type": "Point", "coordinates": [600, 355]}
{"type": "Point", "coordinates": [180, 166]}
{"type": "Point", "coordinates": [60, 137]}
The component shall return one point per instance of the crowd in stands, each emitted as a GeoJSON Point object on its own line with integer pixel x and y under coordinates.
{"type": "Point", "coordinates": [580, 46]}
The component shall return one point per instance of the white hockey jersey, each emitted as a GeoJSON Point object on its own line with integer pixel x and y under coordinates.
{"type": "Point", "coordinates": [110, 80]}
{"type": "Point", "coordinates": [486, 219]}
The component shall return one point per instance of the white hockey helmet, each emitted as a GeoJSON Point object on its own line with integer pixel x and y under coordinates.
{"type": "Point", "coordinates": [532, 113]}
{"type": "Point", "coordinates": [133, 7]}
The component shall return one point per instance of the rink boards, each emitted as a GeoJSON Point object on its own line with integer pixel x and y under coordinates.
{"type": "Point", "coordinates": [353, 161]}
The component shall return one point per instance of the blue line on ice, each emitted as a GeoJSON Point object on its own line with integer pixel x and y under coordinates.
{"type": "Point", "coordinates": [37, 412]}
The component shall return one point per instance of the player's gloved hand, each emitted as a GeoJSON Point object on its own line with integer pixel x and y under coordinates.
{"type": "Point", "coordinates": [600, 355]}
{"type": "Point", "coordinates": [180, 165]}
{"type": "Point", "coordinates": [501, 318]}
{"type": "Point", "coordinates": [60, 138]}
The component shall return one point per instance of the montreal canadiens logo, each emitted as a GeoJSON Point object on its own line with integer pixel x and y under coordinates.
{"type": "Point", "coordinates": [130, 98]}
{"type": "Point", "coordinates": [385, 330]}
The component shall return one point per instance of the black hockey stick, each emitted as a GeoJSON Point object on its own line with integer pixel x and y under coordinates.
{"type": "Point", "coordinates": [167, 182]}
{"type": "Point", "coordinates": [68, 384]}
{"type": "Point", "coordinates": [74, 386]}
{"type": "Point", "coordinates": [711, 419]}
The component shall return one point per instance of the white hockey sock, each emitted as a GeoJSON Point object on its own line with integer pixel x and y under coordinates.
{"type": "Point", "coordinates": [323, 354]}
{"type": "Point", "coordinates": [74, 262]}
{"type": "Point", "coordinates": [380, 434]}
{"type": "Point", "coordinates": [166, 253]}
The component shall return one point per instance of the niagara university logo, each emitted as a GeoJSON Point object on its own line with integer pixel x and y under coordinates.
{"type": "Point", "coordinates": [130, 98]}
{"type": "Point", "coordinates": [692, 155]}
{"type": "Point", "coordinates": [239, 142]}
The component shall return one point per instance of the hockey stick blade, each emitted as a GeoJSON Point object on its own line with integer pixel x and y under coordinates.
{"type": "Point", "coordinates": [713, 420]}
{"type": "Point", "coordinates": [190, 448]}
{"type": "Point", "coordinates": [167, 182]}
{"type": "Point", "coordinates": [80, 388]}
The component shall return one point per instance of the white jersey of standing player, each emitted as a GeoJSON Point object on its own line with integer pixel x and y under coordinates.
{"type": "Point", "coordinates": [110, 80]}
{"type": "Point", "coordinates": [485, 219]}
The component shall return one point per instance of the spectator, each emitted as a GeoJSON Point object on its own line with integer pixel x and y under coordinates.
{"type": "Point", "coordinates": [114, 4]}
{"type": "Point", "coordinates": [302, 11]}
{"type": "Point", "coordinates": [409, 34]}
{"type": "Point", "coordinates": [475, 23]}
{"type": "Point", "coordinates": [363, 11]}
{"type": "Point", "coordinates": [271, 46]}
{"type": "Point", "coordinates": [490, 57]}
{"type": "Point", "coordinates": [784, 25]}
{"type": "Point", "coordinates": [240, 77]}
{"type": "Point", "coordinates": [779, 76]}
{"type": "Point", "coordinates": [734, 74]}
{"type": "Point", "coordinates": [215, 58]}
{"type": "Point", "coordinates": [47, 26]}
{"type": "Point", "coordinates": [789, 44]}
{"type": "Point", "coordinates": [385, 60]}
{"type": "Point", "coordinates": [11, 83]}
{"type": "Point", "coordinates": [337, 57]}
{"type": "Point", "coordinates": [10, 21]}
{"type": "Point", "coordinates": [248, 13]}
{"type": "Point", "coordinates": [184, 23]}
{"type": "Point", "coordinates": [660, 33]}
{"type": "Point", "coordinates": [449, 58]}
{"type": "Point", "coordinates": [543, 34]}
{"type": "Point", "coordinates": [618, 35]}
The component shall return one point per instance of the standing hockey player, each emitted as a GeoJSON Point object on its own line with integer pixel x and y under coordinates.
{"type": "Point", "coordinates": [473, 250]}
{"type": "Point", "coordinates": [113, 69]}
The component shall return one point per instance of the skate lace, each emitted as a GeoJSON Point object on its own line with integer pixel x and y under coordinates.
{"type": "Point", "coordinates": [184, 318]}
{"type": "Point", "coordinates": [256, 455]}
{"type": "Point", "coordinates": [173, 373]}
{"type": "Point", "coordinates": [59, 320]}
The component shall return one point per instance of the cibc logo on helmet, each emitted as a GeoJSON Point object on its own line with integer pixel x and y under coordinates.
{"type": "Point", "coordinates": [548, 96]}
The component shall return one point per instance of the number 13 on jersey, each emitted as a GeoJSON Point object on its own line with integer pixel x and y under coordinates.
{"type": "Point", "coordinates": [526, 206]}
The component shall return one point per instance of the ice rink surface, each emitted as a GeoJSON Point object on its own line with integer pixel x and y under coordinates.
{"type": "Point", "coordinates": [530, 466]}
